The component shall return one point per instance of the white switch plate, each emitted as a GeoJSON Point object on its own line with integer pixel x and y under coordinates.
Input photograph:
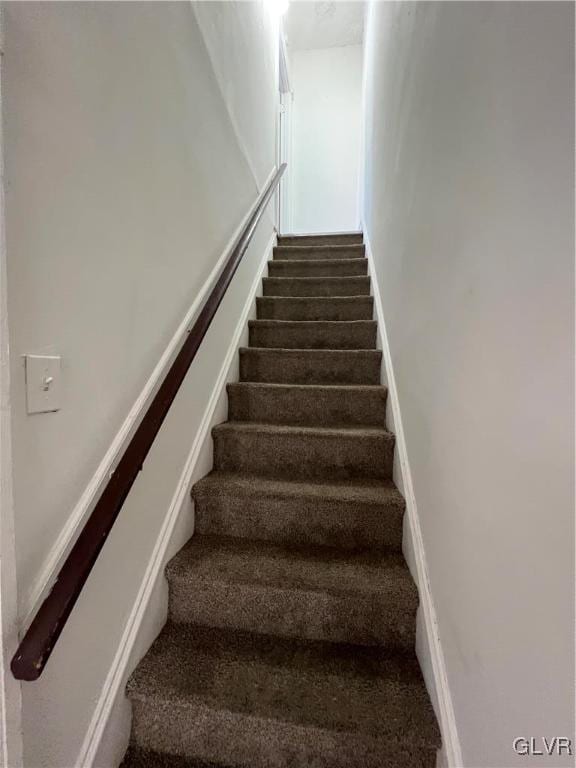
{"type": "Point", "coordinates": [43, 383]}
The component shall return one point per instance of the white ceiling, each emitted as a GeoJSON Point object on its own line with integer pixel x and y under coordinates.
{"type": "Point", "coordinates": [309, 24]}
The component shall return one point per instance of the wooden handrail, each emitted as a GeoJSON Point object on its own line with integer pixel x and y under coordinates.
{"type": "Point", "coordinates": [39, 640]}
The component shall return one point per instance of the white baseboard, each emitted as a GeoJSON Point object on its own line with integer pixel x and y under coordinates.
{"type": "Point", "coordinates": [107, 735]}
{"type": "Point", "coordinates": [429, 648]}
{"type": "Point", "coordinates": [69, 533]}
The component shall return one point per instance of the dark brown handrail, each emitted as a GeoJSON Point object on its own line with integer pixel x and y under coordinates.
{"type": "Point", "coordinates": [38, 642]}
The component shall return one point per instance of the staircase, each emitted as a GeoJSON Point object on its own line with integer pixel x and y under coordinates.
{"type": "Point", "coordinates": [290, 639]}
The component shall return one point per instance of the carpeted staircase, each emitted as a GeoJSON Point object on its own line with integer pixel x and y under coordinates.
{"type": "Point", "coordinates": [290, 640]}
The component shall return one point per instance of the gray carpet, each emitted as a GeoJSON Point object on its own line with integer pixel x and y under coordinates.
{"type": "Point", "coordinates": [291, 623]}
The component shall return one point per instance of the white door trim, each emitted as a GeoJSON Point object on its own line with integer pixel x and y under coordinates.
{"type": "Point", "coordinates": [284, 75]}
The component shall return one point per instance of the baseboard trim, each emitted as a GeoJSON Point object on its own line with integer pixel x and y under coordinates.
{"type": "Point", "coordinates": [452, 753]}
{"type": "Point", "coordinates": [63, 544]}
{"type": "Point", "coordinates": [115, 680]}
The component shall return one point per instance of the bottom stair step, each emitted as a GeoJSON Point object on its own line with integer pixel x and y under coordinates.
{"type": "Point", "coordinates": [236, 699]}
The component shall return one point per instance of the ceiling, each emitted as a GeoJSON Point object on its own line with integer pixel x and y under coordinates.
{"type": "Point", "coordinates": [323, 24]}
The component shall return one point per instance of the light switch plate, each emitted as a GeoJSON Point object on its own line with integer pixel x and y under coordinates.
{"type": "Point", "coordinates": [43, 383]}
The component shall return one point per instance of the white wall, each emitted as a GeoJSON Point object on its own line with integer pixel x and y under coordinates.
{"type": "Point", "coordinates": [242, 41]}
{"type": "Point", "coordinates": [327, 119]}
{"type": "Point", "coordinates": [469, 210]}
{"type": "Point", "coordinates": [126, 177]}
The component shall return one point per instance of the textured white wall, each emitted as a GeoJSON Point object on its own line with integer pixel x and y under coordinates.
{"type": "Point", "coordinates": [469, 209]}
{"type": "Point", "coordinates": [327, 120]}
{"type": "Point", "coordinates": [125, 180]}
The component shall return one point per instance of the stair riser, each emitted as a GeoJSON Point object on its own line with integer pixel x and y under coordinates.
{"type": "Point", "coordinates": [311, 407]}
{"type": "Point", "coordinates": [316, 286]}
{"type": "Point", "coordinates": [313, 240]}
{"type": "Point", "coordinates": [343, 308]}
{"type": "Point", "coordinates": [319, 253]}
{"type": "Point", "coordinates": [332, 268]}
{"type": "Point", "coordinates": [298, 335]}
{"type": "Point", "coordinates": [232, 739]}
{"type": "Point", "coordinates": [386, 619]}
{"type": "Point", "coordinates": [312, 456]}
{"type": "Point", "coordinates": [312, 368]}
{"type": "Point", "coordinates": [299, 520]}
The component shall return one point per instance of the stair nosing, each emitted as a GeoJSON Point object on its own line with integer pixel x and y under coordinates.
{"type": "Point", "coordinates": [301, 323]}
{"type": "Point", "coordinates": [325, 262]}
{"type": "Point", "coordinates": [322, 247]}
{"type": "Point", "coordinates": [362, 297]}
{"type": "Point", "coordinates": [332, 431]}
{"type": "Point", "coordinates": [309, 349]}
{"type": "Point", "coordinates": [321, 277]}
{"type": "Point", "coordinates": [306, 387]}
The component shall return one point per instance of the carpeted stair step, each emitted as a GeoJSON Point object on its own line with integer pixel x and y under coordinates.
{"type": "Point", "coordinates": [315, 308]}
{"type": "Point", "coordinates": [310, 366]}
{"type": "Point", "coordinates": [236, 699]}
{"type": "Point", "coordinates": [314, 453]}
{"type": "Point", "coordinates": [318, 593]}
{"type": "Point", "coordinates": [316, 286]}
{"type": "Point", "coordinates": [318, 268]}
{"type": "Point", "coordinates": [313, 334]}
{"type": "Point", "coordinates": [318, 252]}
{"type": "Point", "coordinates": [307, 404]}
{"type": "Point", "coordinates": [341, 238]}
{"type": "Point", "coordinates": [354, 515]}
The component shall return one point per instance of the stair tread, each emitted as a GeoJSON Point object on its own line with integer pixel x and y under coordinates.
{"type": "Point", "coordinates": [312, 241]}
{"type": "Point", "coordinates": [307, 404]}
{"type": "Point", "coordinates": [310, 366]}
{"type": "Point", "coordinates": [326, 248]}
{"type": "Point", "coordinates": [313, 286]}
{"type": "Point", "coordinates": [314, 267]}
{"type": "Point", "coordinates": [342, 265]}
{"type": "Point", "coordinates": [292, 351]}
{"type": "Point", "coordinates": [353, 515]}
{"type": "Point", "coordinates": [317, 278]}
{"type": "Point", "coordinates": [328, 686]}
{"type": "Point", "coordinates": [356, 233]}
{"type": "Point", "coordinates": [306, 568]}
{"type": "Point", "coordinates": [299, 429]}
{"type": "Point", "coordinates": [344, 388]}
{"type": "Point", "coordinates": [313, 334]}
{"type": "Point", "coordinates": [369, 491]}
{"type": "Point", "coordinates": [273, 323]}
{"type": "Point", "coordinates": [320, 262]}
{"type": "Point", "coordinates": [321, 299]}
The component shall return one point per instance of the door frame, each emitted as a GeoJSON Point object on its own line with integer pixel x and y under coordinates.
{"type": "Point", "coordinates": [284, 136]}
